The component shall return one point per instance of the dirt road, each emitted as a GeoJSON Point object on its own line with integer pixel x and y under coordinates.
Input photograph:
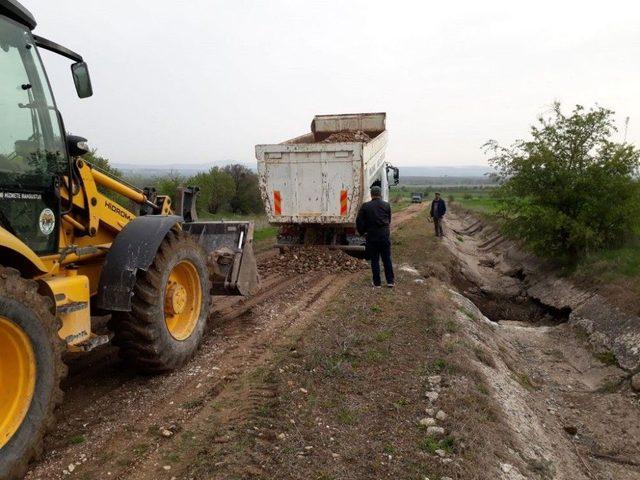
{"type": "Point", "coordinates": [117, 424]}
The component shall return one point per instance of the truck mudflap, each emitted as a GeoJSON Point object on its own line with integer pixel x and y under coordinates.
{"type": "Point", "coordinates": [229, 246]}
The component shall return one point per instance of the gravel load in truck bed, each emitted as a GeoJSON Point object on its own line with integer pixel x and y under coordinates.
{"type": "Point", "coordinates": [347, 136]}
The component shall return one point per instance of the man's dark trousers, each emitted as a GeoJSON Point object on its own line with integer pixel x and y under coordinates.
{"type": "Point", "coordinates": [437, 223]}
{"type": "Point", "coordinates": [376, 249]}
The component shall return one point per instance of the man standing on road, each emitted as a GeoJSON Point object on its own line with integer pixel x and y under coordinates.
{"type": "Point", "coordinates": [373, 222]}
{"type": "Point", "coordinates": [438, 209]}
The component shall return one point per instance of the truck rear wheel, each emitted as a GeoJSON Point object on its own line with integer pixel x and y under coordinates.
{"type": "Point", "coordinates": [170, 307]}
{"type": "Point", "coordinates": [31, 370]}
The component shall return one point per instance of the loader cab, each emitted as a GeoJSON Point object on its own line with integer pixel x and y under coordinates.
{"type": "Point", "coordinates": [34, 156]}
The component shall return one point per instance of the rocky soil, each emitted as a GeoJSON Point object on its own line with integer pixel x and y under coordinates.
{"type": "Point", "coordinates": [312, 259]}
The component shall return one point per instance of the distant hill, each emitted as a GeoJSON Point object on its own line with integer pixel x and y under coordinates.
{"type": "Point", "coordinates": [446, 181]}
{"type": "Point", "coordinates": [462, 171]}
{"type": "Point", "coordinates": [185, 169]}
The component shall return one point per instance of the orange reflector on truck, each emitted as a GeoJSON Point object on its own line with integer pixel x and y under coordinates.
{"type": "Point", "coordinates": [277, 202]}
{"type": "Point", "coordinates": [343, 203]}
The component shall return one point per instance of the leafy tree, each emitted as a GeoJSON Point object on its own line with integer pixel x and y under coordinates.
{"type": "Point", "coordinates": [246, 198]}
{"type": "Point", "coordinates": [216, 189]}
{"type": "Point", "coordinates": [570, 189]}
{"type": "Point", "coordinates": [102, 163]}
{"type": "Point", "coordinates": [168, 185]}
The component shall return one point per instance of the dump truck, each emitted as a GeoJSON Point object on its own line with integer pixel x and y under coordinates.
{"type": "Point", "coordinates": [71, 250]}
{"type": "Point", "coordinates": [313, 185]}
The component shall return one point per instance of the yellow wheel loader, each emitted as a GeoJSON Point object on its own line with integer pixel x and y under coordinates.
{"type": "Point", "coordinates": [68, 251]}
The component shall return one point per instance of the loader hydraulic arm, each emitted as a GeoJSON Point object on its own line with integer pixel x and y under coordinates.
{"type": "Point", "coordinates": [91, 209]}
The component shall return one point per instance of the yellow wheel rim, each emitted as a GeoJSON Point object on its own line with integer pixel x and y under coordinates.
{"type": "Point", "coordinates": [17, 378]}
{"type": "Point", "coordinates": [182, 300]}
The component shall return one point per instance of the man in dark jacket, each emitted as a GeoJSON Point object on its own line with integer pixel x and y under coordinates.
{"type": "Point", "coordinates": [438, 209]}
{"type": "Point", "coordinates": [373, 222]}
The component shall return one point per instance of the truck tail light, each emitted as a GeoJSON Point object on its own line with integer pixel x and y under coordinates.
{"type": "Point", "coordinates": [343, 203]}
{"type": "Point", "coordinates": [277, 202]}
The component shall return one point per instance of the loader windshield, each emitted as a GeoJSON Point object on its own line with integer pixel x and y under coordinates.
{"type": "Point", "coordinates": [32, 148]}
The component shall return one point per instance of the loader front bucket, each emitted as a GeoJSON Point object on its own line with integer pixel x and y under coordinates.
{"type": "Point", "coordinates": [229, 246]}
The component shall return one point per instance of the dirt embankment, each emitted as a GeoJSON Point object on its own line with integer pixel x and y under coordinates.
{"type": "Point", "coordinates": [571, 408]}
{"type": "Point", "coordinates": [503, 273]}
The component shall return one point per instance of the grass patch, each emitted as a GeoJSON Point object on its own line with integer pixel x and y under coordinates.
{"type": "Point", "coordinates": [607, 357]}
{"type": "Point", "coordinates": [140, 449]}
{"type": "Point", "coordinates": [373, 355]}
{"type": "Point", "coordinates": [266, 409]}
{"type": "Point", "coordinates": [477, 200]}
{"type": "Point", "coordinates": [482, 355]}
{"type": "Point", "coordinates": [609, 386]}
{"type": "Point", "coordinates": [431, 444]}
{"type": "Point", "coordinates": [191, 404]}
{"type": "Point", "coordinates": [389, 449]}
{"type": "Point", "coordinates": [524, 380]}
{"type": "Point", "coordinates": [400, 404]}
{"type": "Point", "coordinates": [77, 440]}
{"type": "Point", "coordinates": [347, 416]}
{"type": "Point", "coordinates": [383, 336]}
{"type": "Point", "coordinates": [439, 365]}
{"type": "Point", "coordinates": [265, 233]}
{"type": "Point", "coordinates": [482, 388]}
{"type": "Point", "coordinates": [172, 458]}
{"type": "Point", "coordinates": [451, 326]}
{"type": "Point", "coordinates": [611, 264]}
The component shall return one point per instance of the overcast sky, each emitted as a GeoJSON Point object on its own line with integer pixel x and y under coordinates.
{"type": "Point", "coordinates": [200, 81]}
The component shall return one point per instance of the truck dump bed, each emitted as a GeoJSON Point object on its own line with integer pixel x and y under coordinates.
{"type": "Point", "coordinates": [322, 177]}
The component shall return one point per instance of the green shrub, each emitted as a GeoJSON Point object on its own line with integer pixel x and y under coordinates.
{"type": "Point", "coordinates": [570, 190]}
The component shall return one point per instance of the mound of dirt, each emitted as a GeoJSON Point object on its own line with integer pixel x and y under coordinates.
{"type": "Point", "coordinates": [311, 259]}
{"type": "Point", "coordinates": [347, 136]}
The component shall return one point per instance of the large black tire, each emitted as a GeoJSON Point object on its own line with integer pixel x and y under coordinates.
{"type": "Point", "coordinates": [143, 335]}
{"type": "Point", "coordinates": [22, 305]}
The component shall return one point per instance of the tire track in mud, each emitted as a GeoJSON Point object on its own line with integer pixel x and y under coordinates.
{"type": "Point", "coordinates": [115, 406]}
{"type": "Point", "coordinates": [109, 408]}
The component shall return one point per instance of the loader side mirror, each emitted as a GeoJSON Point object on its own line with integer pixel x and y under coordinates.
{"type": "Point", "coordinates": [82, 79]}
